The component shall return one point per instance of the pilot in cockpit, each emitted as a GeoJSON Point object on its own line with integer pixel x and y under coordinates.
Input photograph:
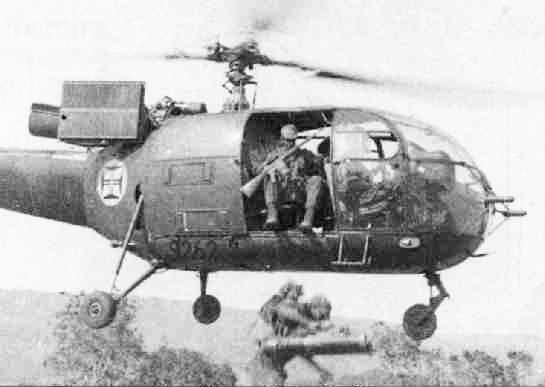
{"type": "Point", "coordinates": [299, 180]}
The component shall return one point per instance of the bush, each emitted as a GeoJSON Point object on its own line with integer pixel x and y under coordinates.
{"type": "Point", "coordinates": [86, 356]}
{"type": "Point", "coordinates": [115, 355]}
{"type": "Point", "coordinates": [167, 367]}
{"type": "Point", "coordinates": [519, 367]}
{"type": "Point", "coordinates": [404, 363]}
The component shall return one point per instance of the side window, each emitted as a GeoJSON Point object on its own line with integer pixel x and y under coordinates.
{"type": "Point", "coordinates": [191, 173]}
{"type": "Point", "coordinates": [371, 140]}
{"type": "Point", "coordinates": [352, 145]}
{"type": "Point", "coordinates": [320, 144]}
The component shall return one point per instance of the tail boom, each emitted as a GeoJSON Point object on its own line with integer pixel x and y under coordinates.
{"type": "Point", "coordinates": [46, 184]}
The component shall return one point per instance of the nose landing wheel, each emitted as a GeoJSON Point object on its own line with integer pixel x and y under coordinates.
{"type": "Point", "coordinates": [420, 321]}
{"type": "Point", "coordinates": [206, 308]}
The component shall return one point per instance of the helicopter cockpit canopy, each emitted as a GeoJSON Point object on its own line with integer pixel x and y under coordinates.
{"type": "Point", "coordinates": [423, 140]}
{"type": "Point", "coordinates": [428, 144]}
{"type": "Point", "coordinates": [382, 171]}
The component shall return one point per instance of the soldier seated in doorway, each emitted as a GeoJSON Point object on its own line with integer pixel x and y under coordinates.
{"type": "Point", "coordinates": [299, 180]}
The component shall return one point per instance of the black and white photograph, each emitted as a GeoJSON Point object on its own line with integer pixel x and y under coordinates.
{"type": "Point", "coordinates": [272, 193]}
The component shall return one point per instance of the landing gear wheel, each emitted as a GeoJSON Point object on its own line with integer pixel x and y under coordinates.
{"type": "Point", "coordinates": [206, 309]}
{"type": "Point", "coordinates": [98, 310]}
{"type": "Point", "coordinates": [419, 322]}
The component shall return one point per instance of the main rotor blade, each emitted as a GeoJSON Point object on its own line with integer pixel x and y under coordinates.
{"type": "Point", "coordinates": [402, 85]}
{"type": "Point", "coordinates": [318, 72]}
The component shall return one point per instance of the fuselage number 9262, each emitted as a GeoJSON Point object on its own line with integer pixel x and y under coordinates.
{"type": "Point", "coordinates": [193, 249]}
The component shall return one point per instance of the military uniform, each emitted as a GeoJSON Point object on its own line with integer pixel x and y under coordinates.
{"type": "Point", "coordinates": [299, 180]}
{"type": "Point", "coordinates": [288, 295]}
{"type": "Point", "coordinates": [268, 368]}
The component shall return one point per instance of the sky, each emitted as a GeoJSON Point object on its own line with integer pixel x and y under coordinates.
{"type": "Point", "coordinates": [472, 68]}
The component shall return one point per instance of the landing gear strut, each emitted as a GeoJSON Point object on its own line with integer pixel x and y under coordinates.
{"type": "Point", "coordinates": [98, 309]}
{"type": "Point", "coordinates": [420, 321]}
{"type": "Point", "coordinates": [206, 308]}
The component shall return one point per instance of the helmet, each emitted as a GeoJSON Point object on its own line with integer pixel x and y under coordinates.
{"type": "Point", "coordinates": [321, 307]}
{"type": "Point", "coordinates": [321, 301]}
{"type": "Point", "coordinates": [289, 286]}
{"type": "Point", "coordinates": [289, 132]}
{"type": "Point", "coordinates": [166, 101]}
{"type": "Point", "coordinates": [234, 64]}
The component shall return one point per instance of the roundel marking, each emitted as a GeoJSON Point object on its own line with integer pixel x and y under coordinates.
{"type": "Point", "coordinates": [409, 243]}
{"type": "Point", "coordinates": [112, 182]}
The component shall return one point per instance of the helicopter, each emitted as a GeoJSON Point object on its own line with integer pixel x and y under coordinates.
{"type": "Point", "coordinates": [175, 185]}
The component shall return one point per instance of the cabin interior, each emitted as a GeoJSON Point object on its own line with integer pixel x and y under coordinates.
{"type": "Point", "coordinates": [352, 196]}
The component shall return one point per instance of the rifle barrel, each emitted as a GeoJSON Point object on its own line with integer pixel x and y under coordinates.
{"type": "Point", "coordinates": [250, 187]}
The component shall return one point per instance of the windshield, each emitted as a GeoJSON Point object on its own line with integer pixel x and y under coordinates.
{"type": "Point", "coordinates": [430, 143]}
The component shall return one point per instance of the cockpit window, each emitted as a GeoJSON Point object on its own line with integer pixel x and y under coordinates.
{"type": "Point", "coordinates": [316, 140]}
{"type": "Point", "coordinates": [352, 145]}
{"type": "Point", "coordinates": [371, 140]}
{"type": "Point", "coordinates": [426, 143]}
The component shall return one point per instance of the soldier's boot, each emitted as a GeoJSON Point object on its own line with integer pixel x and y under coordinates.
{"type": "Point", "coordinates": [271, 223]}
{"type": "Point", "coordinates": [308, 220]}
{"type": "Point", "coordinates": [313, 188]}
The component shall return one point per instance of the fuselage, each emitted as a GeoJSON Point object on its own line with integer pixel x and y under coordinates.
{"type": "Point", "coordinates": [400, 196]}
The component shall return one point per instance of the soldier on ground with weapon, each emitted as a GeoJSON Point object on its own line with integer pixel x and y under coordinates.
{"type": "Point", "coordinates": [287, 318]}
{"type": "Point", "coordinates": [289, 293]}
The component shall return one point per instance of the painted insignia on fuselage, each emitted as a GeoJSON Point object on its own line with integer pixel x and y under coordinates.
{"type": "Point", "coordinates": [112, 182]}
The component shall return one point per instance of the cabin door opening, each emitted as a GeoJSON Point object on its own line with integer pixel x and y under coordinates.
{"type": "Point", "coordinates": [261, 138]}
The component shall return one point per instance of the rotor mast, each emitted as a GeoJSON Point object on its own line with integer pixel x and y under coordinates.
{"type": "Point", "coordinates": [240, 58]}
{"type": "Point", "coordinates": [237, 81]}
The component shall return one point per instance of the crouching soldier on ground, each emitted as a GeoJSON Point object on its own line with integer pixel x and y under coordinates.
{"type": "Point", "coordinates": [289, 293]}
{"type": "Point", "coordinates": [291, 319]}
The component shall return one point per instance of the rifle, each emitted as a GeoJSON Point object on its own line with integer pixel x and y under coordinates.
{"type": "Point", "coordinates": [250, 187]}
